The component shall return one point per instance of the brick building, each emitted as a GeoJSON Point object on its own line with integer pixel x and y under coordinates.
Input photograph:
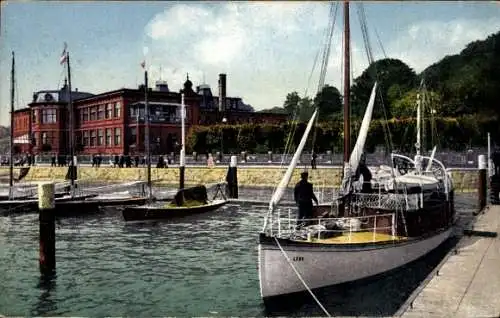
{"type": "Point", "coordinates": [113, 122]}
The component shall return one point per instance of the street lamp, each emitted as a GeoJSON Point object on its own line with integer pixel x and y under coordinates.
{"type": "Point", "coordinates": [224, 120]}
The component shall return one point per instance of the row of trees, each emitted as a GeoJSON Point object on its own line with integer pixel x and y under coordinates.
{"type": "Point", "coordinates": [461, 84]}
{"type": "Point", "coordinates": [454, 133]}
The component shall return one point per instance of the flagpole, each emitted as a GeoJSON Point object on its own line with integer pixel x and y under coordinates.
{"type": "Point", "coordinates": [71, 131]}
{"type": "Point", "coordinates": [146, 134]}
{"type": "Point", "coordinates": [182, 161]}
{"type": "Point", "coordinates": [11, 155]}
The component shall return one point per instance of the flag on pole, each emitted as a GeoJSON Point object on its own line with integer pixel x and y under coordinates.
{"type": "Point", "coordinates": [64, 54]}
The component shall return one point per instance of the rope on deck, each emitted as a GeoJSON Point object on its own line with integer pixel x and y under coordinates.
{"type": "Point", "coordinates": [301, 279]}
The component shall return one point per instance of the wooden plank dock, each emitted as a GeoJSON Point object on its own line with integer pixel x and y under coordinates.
{"type": "Point", "coordinates": [467, 283]}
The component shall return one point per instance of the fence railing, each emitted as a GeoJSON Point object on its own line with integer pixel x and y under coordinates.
{"type": "Point", "coordinates": [448, 158]}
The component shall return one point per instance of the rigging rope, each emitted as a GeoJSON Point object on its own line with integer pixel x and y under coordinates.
{"type": "Point", "coordinates": [366, 40]}
{"type": "Point", "coordinates": [301, 279]}
{"type": "Point", "coordinates": [325, 60]}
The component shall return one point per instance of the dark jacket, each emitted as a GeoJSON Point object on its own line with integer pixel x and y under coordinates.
{"type": "Point", "coordinates": [303, 193]}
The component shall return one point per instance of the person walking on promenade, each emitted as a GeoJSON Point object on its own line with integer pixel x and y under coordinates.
{"type": "Point", "coordinates": [313, 160]}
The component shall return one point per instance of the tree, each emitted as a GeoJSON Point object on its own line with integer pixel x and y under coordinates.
{"type": "Point", "coordinates": [274, 110]}
{"type": "Point", "coordinates": [387, 72]}
{"type": "Point", "coordinates": [306, 109]}
{"type": "Point", "coordinates": [328, 101]}
{"type": "Point", "coordinates": [468, 82]}
{"type": "Point", "coordinates": [291, 103]}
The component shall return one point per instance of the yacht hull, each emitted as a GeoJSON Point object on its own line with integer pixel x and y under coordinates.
{"type": "Point", "coordinates": [322, 265]}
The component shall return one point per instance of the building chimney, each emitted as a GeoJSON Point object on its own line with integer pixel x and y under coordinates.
{"type": "Point", "coordinates": [222, 93]}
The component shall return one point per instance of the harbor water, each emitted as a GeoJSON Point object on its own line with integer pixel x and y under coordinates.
{"type": "Point", "coordinates": [203, 265]}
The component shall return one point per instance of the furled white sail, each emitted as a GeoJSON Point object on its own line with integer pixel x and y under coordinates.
{"type": "Point", "coordinates": [280, 190]}
{"type": "Point", "coordinates": [360, 142]}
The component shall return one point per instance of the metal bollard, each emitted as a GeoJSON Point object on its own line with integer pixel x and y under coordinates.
{"type": "Point", "coordinates": [482, 189]}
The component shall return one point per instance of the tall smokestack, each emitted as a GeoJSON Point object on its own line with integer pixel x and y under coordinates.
{"type": "Point", "coordinates": [222, 92]}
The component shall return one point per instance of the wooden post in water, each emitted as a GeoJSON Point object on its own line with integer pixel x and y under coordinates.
{"type": "Point", "coordinates": [481, 159]}
{"type": "Point", "coordinates": [46, 207]}
{"type": "Point", "coordinates": [232, 178]}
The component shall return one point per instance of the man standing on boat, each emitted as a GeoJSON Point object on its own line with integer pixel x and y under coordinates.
{"type": "Point", "coordinates": [304, 195]}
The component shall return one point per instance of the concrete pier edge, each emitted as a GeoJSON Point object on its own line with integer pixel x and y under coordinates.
{"type": "Point", "coordinates": [454, 250]}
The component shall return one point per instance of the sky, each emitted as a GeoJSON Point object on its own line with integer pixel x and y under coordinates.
{"type": "Point", "coordinates": [267, 49]}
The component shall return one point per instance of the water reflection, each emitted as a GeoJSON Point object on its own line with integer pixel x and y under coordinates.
{"type": "Point", "coordinates": [46, 303]}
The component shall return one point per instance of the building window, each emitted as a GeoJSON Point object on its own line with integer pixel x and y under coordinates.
{"type": "Point", "coordinates": [108, 136]}
{"type": "Point", "coordinates": [100, 137]}
{"type": "Point", "coordinates": [92, 138]}
{"type": "Point", "coordinates": [49, 116]}
{"type": "Point", "coordinates": [86, 138]}
{"type": "Point", "coordinates": [133, 113]}
{"type": "Point", "coordinates": [93, 113]}
{"type": "Point", "coordinates": [109, 110]}
{"type": "Point", "coordinates": [85, 114]}
{"type": "Point", "coordinates": [133, 135]}
{"type": "Point", "coordinates": [44, 138]}
{"type": "Point", "coordinates": [118, 136]}
{"type": "Point", "coordinates": [117, 111]}
{"type": "Point", "coordinates": [100, 114]}
{"type": "Point", "coordinates": [34, 116]}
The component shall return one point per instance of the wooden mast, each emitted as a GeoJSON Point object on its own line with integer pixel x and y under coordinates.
{"type": "Point", "coordinates": [11, 156]}
{"type": "Point", "coordinates": [343, 210]}
{"type": "Point", "coordinates": [347, 83]}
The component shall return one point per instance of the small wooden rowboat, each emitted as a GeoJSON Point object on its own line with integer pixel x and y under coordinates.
{"type": "Point", "coordinates": [149, 212]}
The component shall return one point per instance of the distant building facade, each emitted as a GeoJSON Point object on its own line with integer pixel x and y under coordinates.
{"type": "Point", "coordinates": [232, 109]}
{"type": "Point", "coordinates": [114, 122]}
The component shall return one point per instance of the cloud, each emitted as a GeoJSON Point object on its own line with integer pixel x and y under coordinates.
{"type": "Point", "coordinates": [267, 49]}
{"type": "Point", "coordinates": [424, 43]}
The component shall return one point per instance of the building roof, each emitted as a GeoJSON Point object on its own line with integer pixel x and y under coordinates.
{"type": "Point", "coordinates": [58, 96]}
{"type": "Point", "coordinates": [133, 92]}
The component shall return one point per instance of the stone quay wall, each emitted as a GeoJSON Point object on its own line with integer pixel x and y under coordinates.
{"type": "Point", "coordinates": [465, 180]}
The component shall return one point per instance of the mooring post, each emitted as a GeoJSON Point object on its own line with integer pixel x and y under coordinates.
{"type": "Point", "coordinates": [269, 157]}
{"type": "Point", "coordinates": [47, 218]}
{"type": "Point", "coordinates": [481, 160]}
{"type": "Point", "coordinates": [232, 178]}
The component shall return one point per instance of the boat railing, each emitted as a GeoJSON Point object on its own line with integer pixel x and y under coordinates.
{"type": "Point", "coordinates": [385, 201]}
{"type": "Point", "coordinates": [319, 228]}
{"type": "Point", "coordinates": [23, 190]}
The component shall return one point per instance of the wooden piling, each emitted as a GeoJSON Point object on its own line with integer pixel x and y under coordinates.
{"type": "Point", "coordinates": [46, 207]}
